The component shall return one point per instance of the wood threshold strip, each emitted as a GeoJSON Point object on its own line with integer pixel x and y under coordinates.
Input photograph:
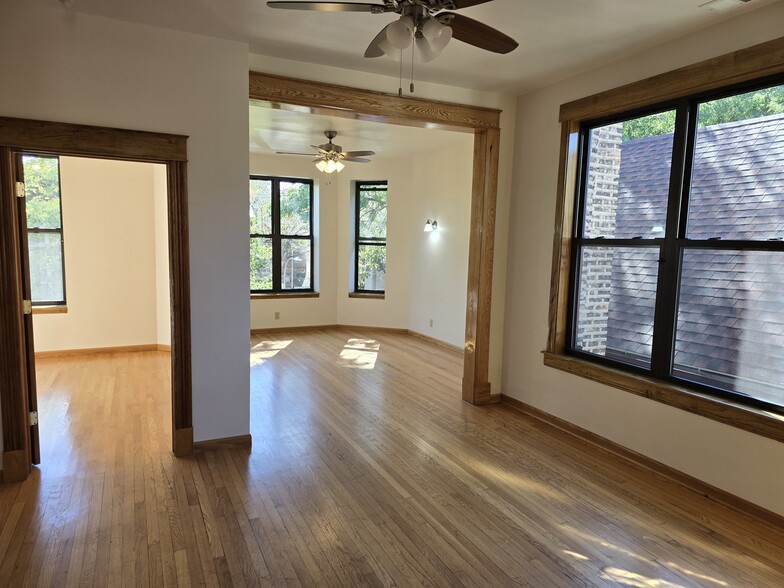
{"type": "Point", "coordinates": [638, 460]}
{"type": "Point", "coordinates": [760, 422]}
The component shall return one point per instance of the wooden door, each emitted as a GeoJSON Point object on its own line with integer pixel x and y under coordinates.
{"type": "Point", "coordinates": [32, 393]}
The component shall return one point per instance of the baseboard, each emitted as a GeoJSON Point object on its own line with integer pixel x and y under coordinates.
{"type": "Point", "coordinates": [392, 330]}
{"type": "Point", "coordinates": [435, 341]}
{"type": "Point", "coordinates": [96, 350]}
{"type": "Point", "coordinates": [691, 483]}
{"type": "Point", "coordinates": [16, 466]}
{"type": "Point", "coordinates": [182, 439]}
{"type": "Point", "coordinates": [163, 347]}
{"type": "Point", "coordinates": [237, 442]}
{"type": "Point", "coordinates": [293, 329]}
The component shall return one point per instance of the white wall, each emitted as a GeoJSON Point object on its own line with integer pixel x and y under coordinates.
{"type": "Point", "coordinates": [110, 264]}
{"type": "Point", "coordinates": [71, 67]}
{"type": "Point", "coordinates": [734, 460]}
{"type": "Point", "coordinates": [439, 260]}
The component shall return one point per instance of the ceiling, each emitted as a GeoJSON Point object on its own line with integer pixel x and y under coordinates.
{"type": "Point", "coordinates": [558, 38]}
{"type": "Point", "coordinates": [274, 130]}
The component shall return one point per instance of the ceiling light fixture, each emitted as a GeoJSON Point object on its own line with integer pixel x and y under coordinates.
{"type": "Point", "coordinates": [430, 226]}
{"type": "Point", "coordinates": [329, 163]}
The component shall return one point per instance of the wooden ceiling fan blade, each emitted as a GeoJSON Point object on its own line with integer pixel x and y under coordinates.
{"type": "Point", "coordinates": [355, 159]}
{"type": "Point", "coordinates": [319, 149]}
{"type": "Point", "coordinates": [467, 3]}
{"type": "Point", "coordinates": [374, 49]}
{"type": "Point", "coordinates": [329, 6]}
{"type": "Point", "coordinates": [292, 153]}
{"type": "Point", "coordinates": [477, 34]}
{"type": "Point", "coordinates": [358, 153]}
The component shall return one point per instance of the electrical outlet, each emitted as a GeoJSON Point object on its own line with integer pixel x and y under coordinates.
{"type": "Point", "coordinates": [277, 315]}
{"type": "Point", "coordinates": [431, 323]}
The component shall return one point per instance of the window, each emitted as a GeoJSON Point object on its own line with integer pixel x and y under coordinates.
{"type": "Point", "coordinates": [44, 229]}
{"type": "Point", "coordinates": [281, 235]}
{"type": "Point", "coordinates": [678, 256]}
{"type": "Point", "coordinates": [370, 230]}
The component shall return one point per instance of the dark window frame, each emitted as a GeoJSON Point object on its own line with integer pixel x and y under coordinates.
{"type": "Point", "coordinates": [277, 237]}
{"type": "Point", "coordinates": [671, 247]}
{"type": "Point", "coordinates": [60, 231]}
{"type": "Point", "coordinates": [359, 240]}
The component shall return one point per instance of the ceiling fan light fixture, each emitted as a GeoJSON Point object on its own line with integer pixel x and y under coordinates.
{"type": "Point", "coordinates": [339, 165]}
{"type": "Point", "coordinates": [400, 32]}
{"type": "Point", "coordinates": [321, 165]}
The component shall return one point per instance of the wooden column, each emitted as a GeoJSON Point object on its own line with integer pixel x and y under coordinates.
{"type": "Point", "coordinates": [476, 387]}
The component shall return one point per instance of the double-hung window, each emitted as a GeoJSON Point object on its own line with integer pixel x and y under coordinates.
{"type": "Point", "coordinates": [370, 243]}
{"type": "Point", "coordinates": [44, 229]}
{"type": "Point", "coordinates": [678, 244]}
{"type": "Point", "coordinates": [281, 235]}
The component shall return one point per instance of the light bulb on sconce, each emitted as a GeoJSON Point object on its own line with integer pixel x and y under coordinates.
{"type": "Point", "coordinates": [430, 226]}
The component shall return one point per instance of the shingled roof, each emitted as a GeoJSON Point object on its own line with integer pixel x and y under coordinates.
{"type": "Point", "coordinates": [730, 326]}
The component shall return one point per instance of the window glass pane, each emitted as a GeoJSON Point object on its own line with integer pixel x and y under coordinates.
{"type": "Point", "coordinates": [628, 178]}
{"type": "Point", "coordinates": [46, 267]}
{"type": "Point", "coordinates": [260, 263]}
{"type": "Point", "coordinates": [737, 184]}
{"type": "Point", "coordinates": [294, 208]}
{"type": "Point", "coordinates": [730, 329]}
{"type": "Point", "coordinates": [295, 264]}
{"type": "Point", "coordinates": [42, 191]}
{"type": "Point", "coordinates": [373, 213]}
{"type": "Point", "coordinates": [261, 207]}
{"type": "Point", "coordinates": [372, 267]}
{"type": "Point", "coordinates": [617, 295]}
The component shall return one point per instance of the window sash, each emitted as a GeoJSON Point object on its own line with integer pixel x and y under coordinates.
{"type": "Point", "coordinates": [277, 237]}
{"type": "Point", "coordinates": [672, 245]}
{"type": "Point", "coordinates": [360, 240]}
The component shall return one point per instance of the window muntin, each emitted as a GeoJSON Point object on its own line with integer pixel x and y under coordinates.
{"type": "Point", "coordinates": [281, 234]}
{"type": "Point", "coordinates": [708, 197]}
{"type": "Point", "coordinates": [370, 229]}
{"type": "Point", "coordinates": [43, 205]}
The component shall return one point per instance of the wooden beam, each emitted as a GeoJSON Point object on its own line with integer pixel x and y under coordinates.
{"type": "Point", "coordinates": [70, 139]}
{"type": "Point", "coordinates": [368, 105]}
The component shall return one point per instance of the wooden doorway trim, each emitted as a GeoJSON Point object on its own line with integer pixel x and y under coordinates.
{"type": "Point", "coordinates": [282, 92]}
{"type": "Point", "coordinates": [21, 135]}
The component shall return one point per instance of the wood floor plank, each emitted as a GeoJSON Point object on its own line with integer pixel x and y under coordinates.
{"type": "Point", "coordinates": [366, 469]}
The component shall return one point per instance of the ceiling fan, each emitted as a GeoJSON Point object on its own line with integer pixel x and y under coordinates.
{"type": "Point", "coordinates": [423, 21]}
{"type": "Point", "coordinates": [330, 157]}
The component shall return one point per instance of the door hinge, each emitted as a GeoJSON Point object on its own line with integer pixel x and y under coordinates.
{"type": "Point", "coordinates": [33, 418]}
{"type": "Point", "coordinates": [20, 190]}
{"type": "Point", "coordinates": [27, 306]}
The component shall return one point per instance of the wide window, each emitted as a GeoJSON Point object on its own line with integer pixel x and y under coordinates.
{"type": "Point", "coordinates": [678, 257]}
{"type": "Point", "coordinates": [370, 230]}
{"type": "Point", "coordinates": [44, 229]}
{"type": "Point", "coordinates": [281, 234]}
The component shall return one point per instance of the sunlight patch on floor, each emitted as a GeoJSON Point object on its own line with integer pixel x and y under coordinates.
{"type": "Point", "coordinates": [265, 350]}
{"type": "Point", "coordinates": [359, 354]}
{"type": "Point", "coordinates": [627, 578]}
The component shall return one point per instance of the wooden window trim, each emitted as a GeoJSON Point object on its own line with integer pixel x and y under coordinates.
{"type": "Point", "coordinates": [368, 295]}
{"type": "Point", "coordinates": [484, 123]}
{"type": "Point", "coordinates": [50, 309]}
{"type": "Point", "coordinates": [745, 65]}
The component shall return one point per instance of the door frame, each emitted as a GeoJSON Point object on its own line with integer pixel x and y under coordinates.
{"type": "Point", "coordinates": [55, 138]}
{"type": "Point", "coordinates": [484, 123]}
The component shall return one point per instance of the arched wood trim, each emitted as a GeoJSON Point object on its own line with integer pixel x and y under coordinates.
{"type": "Point", "coordinates": [19, 135]}
{"type": "Point", "coordinates": [343, 101]}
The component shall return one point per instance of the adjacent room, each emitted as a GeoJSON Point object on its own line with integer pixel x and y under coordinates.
{"type": "Point", "coordinates": [392, 293]}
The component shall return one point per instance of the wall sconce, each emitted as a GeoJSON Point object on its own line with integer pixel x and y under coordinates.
{"type": "Point", "coordinates": [430, 226]}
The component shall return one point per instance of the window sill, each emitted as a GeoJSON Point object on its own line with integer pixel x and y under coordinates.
{"type": "Point", "coordinates": [369, 295]}
{"type": "Point", "coordinates": [54, 309]}
{"type": "Point", "coordinates": [279, 295]}
{"type": "Point", "coordinates": [760, 422]}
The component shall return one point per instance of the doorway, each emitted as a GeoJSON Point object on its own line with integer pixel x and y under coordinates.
{"type": "Point", "coordinates": [17, 362]}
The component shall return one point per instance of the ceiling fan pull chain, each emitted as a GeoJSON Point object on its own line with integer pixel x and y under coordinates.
{"type": "Point", "coordinates": [400, 88]}
{"type": "Point", "coordinates": [413, 45]}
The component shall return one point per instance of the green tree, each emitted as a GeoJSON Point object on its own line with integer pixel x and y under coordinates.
{"type": "Point", "coordinates": [750, 105]}
{"type": "Point", "coordinates": [372, 224]}
{"type": "Point", "coordinates": [42, 191]}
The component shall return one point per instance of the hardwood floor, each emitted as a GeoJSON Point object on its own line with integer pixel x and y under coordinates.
{"type": "Point", "coordinates": [366, 469]}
